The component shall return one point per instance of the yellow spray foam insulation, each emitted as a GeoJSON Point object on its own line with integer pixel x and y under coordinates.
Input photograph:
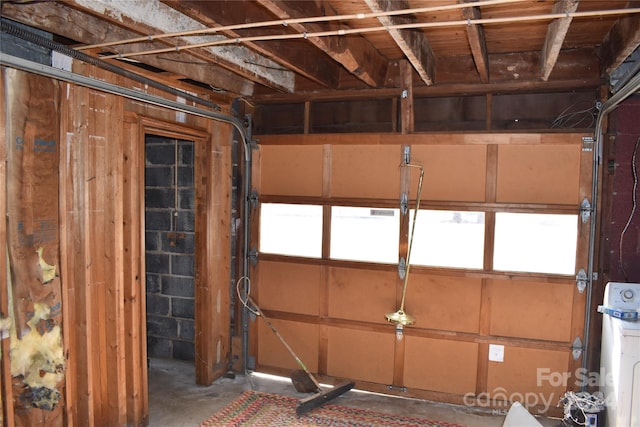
{"type": "Point", "coordinates": [38, 358]}
{"type": "Point", "coordinates": [48, 271]}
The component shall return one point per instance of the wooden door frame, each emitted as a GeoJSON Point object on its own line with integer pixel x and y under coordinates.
{"type": "Point", "coordinates": [208, 279]}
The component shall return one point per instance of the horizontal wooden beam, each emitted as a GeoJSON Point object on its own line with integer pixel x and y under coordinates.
{"type": "Point", "coordinates": [146, 17]}
{"type": "Point", "coordinates": [355, 54]}
{"type": "Point", "coordinates": [54, 17]}
{"type": "Point", "coordinates": [291, 54]}
{"type": "Point", "coordinates": [454, 89]}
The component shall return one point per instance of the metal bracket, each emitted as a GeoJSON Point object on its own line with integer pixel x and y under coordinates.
{"type": "Point", "coordinates": [404, 204]}
{"type": "Point", "coordinates": [253, 256]}
{"type": "Point", "coordinates": [585, 210]}
{"type": "Point", "coordinates": [581, 280]}
{"type": "Point", "coordinates": [577, 348]}
{"type": "Point", "coordinates": [251, 363]}
{"type": "Point", "coordinates": [253, 198]}
{"type": "Point", "coordinates": [406, 154]}
{"type": "Point", "coordinates": [587, 143]}
{"type": "Point", "coordinates": [402, 268]}
{"type": "Point", "coordinates": [395, 387]}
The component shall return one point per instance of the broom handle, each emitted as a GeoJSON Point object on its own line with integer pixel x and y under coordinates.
{"type": "Point", "coordinates": [275, 331]}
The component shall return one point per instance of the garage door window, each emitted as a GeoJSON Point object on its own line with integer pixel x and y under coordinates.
{"type": "Point", "coordinates": [535, 243]}
{"type": "Point", "coordinates": [448, 239]}
{"type": "Point", "coordinates": [364, 234]}
{"type": "Point", "coordinates": [288, 229]}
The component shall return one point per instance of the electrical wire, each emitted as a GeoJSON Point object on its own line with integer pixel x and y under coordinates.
{"type": "Point", "coordinates": [350, 31]}
{"type": "Point", "coordinates": [584, 403]}
{"type": "Point", "coordinates": [567, 119]}
{"type": "Point", "coordinates": [633, 209]}
{"type": "Point", "coordinates": [245, 301]}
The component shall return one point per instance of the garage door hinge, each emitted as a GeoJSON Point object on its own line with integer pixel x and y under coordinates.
{"type": "Point", "coordinates": [404, 204]}
{"type": "Point", "coordinates": [577, 348]}
{"type": "Point", "coordinates": [581, 280]}
{"type": "Point", "coordinates": [402, 268]}
{"type": "Point", "coordinates": [585, 210]}
{"type": "Point", "coordinates": [253, 256]}
{"type": "Point", "coordinates": [253, 198]}
{"type": "Point", "coordinates": [406, 154]}
{"type": "Point", "coordinates": [587, 143]}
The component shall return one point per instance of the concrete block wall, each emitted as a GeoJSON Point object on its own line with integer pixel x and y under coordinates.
{"type": "Point", "coordinates": [170, 243]}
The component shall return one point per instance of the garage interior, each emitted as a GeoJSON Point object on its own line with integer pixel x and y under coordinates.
{"type": "Point", "coordinates": [163, 159]}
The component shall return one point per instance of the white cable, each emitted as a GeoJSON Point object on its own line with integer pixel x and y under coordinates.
{"type": "Point", "coordinates": [245, 302]}
{"type": "Point", "coordinates": [633, 209]}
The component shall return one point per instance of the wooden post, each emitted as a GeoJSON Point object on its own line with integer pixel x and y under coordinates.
{"type": "Point", "coordinates": [32, 207]}
{"type": "Point", "coordinates": [6, 401]}
{"type": "Point", "coordinates": [406, 97]}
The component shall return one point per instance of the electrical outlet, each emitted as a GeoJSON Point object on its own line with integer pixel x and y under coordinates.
{"type": "Point", "coordinates": [496, 353]}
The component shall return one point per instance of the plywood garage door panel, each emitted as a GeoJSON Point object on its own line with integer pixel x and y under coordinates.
{"type": "Point", "coordinates": [524, 374]}
{"type": "Point", "coordinates": [534, 310]}
{"type": "Point", "coordinates": [539, 173]}
{"type": "Point", "coordinates": [441, 365]}
{"type": "Point", "coordinates": [452, 172]}
{"type": "Point", "coordinates": [289, 287]}
{"type": "Point", "coordinates": [366, 171]}
{"type": "Point", "coordinates": [445, 303]}
{"type": "Point", "coordinates": [302, 337]}
{"type": "Point", "coordinates": [360, 355]}
{"type": "Point", "coordinates": [291, 170]}
{"type": "Point", "coordinates": [361, 295]}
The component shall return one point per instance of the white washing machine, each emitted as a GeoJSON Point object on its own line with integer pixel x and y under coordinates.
{"type": "Point", "coordinates": [620, 354]}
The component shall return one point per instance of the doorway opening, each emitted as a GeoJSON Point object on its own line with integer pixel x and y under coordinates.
{"type": "Point", "coordinates": [170, 247]}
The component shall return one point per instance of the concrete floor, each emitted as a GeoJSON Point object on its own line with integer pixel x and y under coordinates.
{"type": "Point", "coordinates": [176, 401]}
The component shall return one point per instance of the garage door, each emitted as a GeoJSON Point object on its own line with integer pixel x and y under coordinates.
{"type": "Point", "coordinates": [497, 244]}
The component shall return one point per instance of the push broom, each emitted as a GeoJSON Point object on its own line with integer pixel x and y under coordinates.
{"type": "Point", "coordinates": [303, 380]}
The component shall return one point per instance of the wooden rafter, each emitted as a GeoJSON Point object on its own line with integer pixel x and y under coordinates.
{"type": "Point", "coordinates": [52, 16]}
{"type": "Point", "coordinates": [414, 44]}
{"type": "Point", "coordinates": [622, 40]}
{"type": "Point", "coordinates": [146, 17]}
{"type": "Point", "coordinates": [477, 41]}
{"type": "Point", "coordinates": [356, 54]}
{"type": "Point", "coordinates": [556, 33]}
{"type": "Point", "coordinates": [316, 67]}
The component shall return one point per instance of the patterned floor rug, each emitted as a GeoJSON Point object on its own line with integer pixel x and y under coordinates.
{"type": "Point", "coordinates": [263, 409]}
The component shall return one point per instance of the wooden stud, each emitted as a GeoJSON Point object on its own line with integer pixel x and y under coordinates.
{"type": "Point", "coordinates": [406, 98]}
{"type": "Point", "coordinates": [6, 403]}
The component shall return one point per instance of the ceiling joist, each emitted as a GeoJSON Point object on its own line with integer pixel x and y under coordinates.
{"type": "Point", "coordinates": [288, 53]}
{"type": "Point", "coordinates": [53, 17]}
{"type": "Point", "coordinates": [357, 55]}
{"type": "Point", "coordinates": [477, 41]}
{"type": "Point", "coordinates": [556, 33]}
{"type": "Point", "coordinates": [413, 44]}
{"type": "Point", "coordinates": [154, 17]}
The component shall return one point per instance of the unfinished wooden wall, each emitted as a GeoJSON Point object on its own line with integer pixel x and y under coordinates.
{"type": "Point", "coordinates": [75, 189]}
{"type": "Point", "coordinates": [36, 362]}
